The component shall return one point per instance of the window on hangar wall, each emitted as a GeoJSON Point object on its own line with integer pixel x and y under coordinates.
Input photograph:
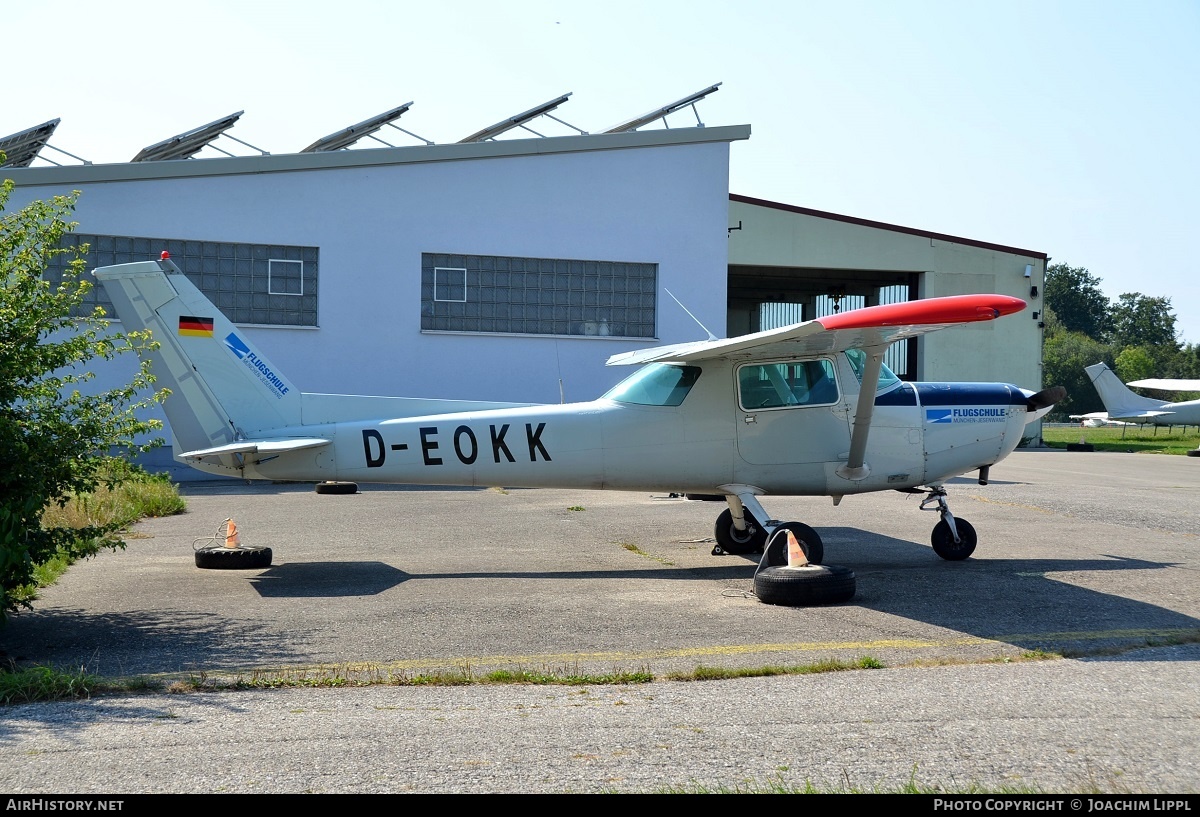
{"type": "Point", "coordinates": [537, 296]}
{"type": "Point", "coordinates": [265, 284]}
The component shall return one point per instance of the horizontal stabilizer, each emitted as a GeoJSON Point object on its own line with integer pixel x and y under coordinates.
{"type": "Point", "coordinates": [1141, 415]}
{"type": "Point", "coordinates": [269, 447]}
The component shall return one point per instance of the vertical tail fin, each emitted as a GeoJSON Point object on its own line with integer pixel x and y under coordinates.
{"type": "Point", "coordinates": [222, 388]}
{"type": "Point", "coordinates": [1116, 396]}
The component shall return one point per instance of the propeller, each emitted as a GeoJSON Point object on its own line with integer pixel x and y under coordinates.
{"type": "Point", "coordinates": [1046, 398]}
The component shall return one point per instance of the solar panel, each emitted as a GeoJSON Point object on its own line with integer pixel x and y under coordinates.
{"type": "Point", "coordinates": [661, 113]}
{"type": "Point", "coordinates": [22, 148]}
{"type": "Point", "coordinates": [189, 143]}
{"type": "Point", "coordinates": [517, 121]}
{"type": "Point", "coordinates": [348, 136]}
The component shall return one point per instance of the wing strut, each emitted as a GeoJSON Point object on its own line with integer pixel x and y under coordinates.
{"type": "Point", "coordinates": [855, 468]}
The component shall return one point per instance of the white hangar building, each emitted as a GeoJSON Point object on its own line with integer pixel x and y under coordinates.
{"type": "Point", "coordinates": [511, 269]}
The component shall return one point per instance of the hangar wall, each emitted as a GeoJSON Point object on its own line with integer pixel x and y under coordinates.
{"type": "Point", "coordinates": [659, 197]}
{"type": "Point", "coordinates": [823, 245]}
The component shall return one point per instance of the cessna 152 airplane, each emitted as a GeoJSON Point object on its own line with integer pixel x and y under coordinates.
{"type": "Point", "coordinates": [1125, 406]}
{"type": "Point", "coordinates": [804, 410]}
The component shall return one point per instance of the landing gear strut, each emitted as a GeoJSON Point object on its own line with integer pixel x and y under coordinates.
{"type": "Point", "coordinates": [953, 539]}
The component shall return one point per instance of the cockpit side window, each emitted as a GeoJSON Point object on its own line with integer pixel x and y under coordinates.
{"type": "Point", "coordinates": [659, 384]}
{"type": "Point", "coordinates": [794, 383]}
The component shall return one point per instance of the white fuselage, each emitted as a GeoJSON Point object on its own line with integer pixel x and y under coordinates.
{"type": "Point", "coordinates": [920, 434]}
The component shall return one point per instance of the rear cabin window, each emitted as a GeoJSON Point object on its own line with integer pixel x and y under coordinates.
{"type": "Point", "coordinates": [779, 385]}
{"type": "Point", "coordinates": [659, 384]}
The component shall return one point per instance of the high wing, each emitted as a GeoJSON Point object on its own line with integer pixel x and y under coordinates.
{"type": "Point", "coordinates": [872, 326]}
{"type": "Point", "coordinates": [871, 329]}
{"type": "Point", "coordinates": [1166, 384]}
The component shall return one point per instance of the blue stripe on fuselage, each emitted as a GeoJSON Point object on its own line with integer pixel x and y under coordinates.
{"type": "Point", "coordinates": [969, 394]}
{"type": "Point", "coordinates": [953, 394]}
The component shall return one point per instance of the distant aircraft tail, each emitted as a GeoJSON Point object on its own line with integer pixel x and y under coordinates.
{"type": "Point", "coordinates": [1116, 396]}
{"type": "Point", "coordinates": [222, 388]}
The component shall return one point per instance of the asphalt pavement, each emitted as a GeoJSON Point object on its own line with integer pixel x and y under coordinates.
{"type": "Point", "coordinates": [1085, 554]}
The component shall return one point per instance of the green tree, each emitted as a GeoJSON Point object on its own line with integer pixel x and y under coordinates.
{"type": "Point", "coordinates": [1075, 296]}
{"type": "Point", "coordinates": [1141, 320]}
{"type": "Point", "coordinates": [1064, 356]}
{"type": "Point", "coordinates": [1186, 364]}
{"type": "Point", "coordinates": [1135, 363]}
{"type": "Point", "coordinates": [59, 433]}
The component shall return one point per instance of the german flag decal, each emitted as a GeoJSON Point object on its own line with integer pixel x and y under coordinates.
{"type": "Point", "coordinates": [194, 327]}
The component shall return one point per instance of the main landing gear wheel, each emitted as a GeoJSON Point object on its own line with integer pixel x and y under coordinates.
{"type": "Point", "coordinates": [235, 558]}
{"type": "Point", "coordinates": [804, 586]}
{"type": "Point", "coordinates": [944, 544]}
{"type": "Point", "coordinates": [731, 540]}
{"type": "Point", "coordinates": [809, 539]}
{"type": "Point", "coordinates": [337, 487]}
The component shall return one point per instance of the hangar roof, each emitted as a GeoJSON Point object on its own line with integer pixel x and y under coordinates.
{"type": "Point", "coordinates": [880, 225]}
{"type": "Point", "coordinates": [235, 165]}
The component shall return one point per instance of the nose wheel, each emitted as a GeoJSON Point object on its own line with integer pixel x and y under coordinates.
{"type": "Point", "coordinates": [953, 538]}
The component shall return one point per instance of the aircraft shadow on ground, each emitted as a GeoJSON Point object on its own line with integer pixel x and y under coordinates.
{"type": "Point", "coordinates": [346, 579]}
{"type": "Point", "coordinates": [1014, 601]}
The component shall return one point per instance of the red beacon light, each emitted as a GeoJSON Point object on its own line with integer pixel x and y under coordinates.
{"type": "Point", "coordinates": [165, 255]}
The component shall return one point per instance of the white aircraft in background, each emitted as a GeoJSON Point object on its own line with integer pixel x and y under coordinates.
{"type": "Point", "coordinates": [804, 410]}
{"type": "Point", "coordinates": [1125, 407]}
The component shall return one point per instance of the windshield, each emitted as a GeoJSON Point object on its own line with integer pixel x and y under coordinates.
{"type": "Point", "coordinates": [858, 362]}
{"type": "Point", "coordinates": [659, 384]}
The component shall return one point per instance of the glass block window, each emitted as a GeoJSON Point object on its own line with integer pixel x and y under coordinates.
{"type": "Point", "coordinates": [267, 284]}
{"type": "Point", "coordinates": [537, 296]}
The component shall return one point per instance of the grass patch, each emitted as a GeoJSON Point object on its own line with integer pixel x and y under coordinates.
{"type": "Point", "coordinates": [137, 496]}
{"type": "Point", "coordinates": [703, 673]}
{"type": "Point", "coordinates": [46, 684]}
{"type": "Point", "coordinates": [348, 677]}
{"type": "Point", "coordinates": [34, 684]}
{"type": "Point", "coordinates": [1135, 439]}
{"type": "Point", "coordinates": [569, 679]}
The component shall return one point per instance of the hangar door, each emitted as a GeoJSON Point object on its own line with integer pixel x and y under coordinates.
{"type": "Point", "coordinates": [769, 297]}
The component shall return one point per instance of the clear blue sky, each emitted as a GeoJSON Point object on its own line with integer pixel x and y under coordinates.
{"type": "Point", "coordinates": [1068, 127]}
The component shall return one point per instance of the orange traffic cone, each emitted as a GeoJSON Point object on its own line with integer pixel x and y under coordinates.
{"type": "Point", "coordinates": [232, 538]}
{"type": "Point", "coordinates": [796, 557]}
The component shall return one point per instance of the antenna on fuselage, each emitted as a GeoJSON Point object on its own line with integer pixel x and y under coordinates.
{"type": "Point", "coordinates": [711, 336]}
